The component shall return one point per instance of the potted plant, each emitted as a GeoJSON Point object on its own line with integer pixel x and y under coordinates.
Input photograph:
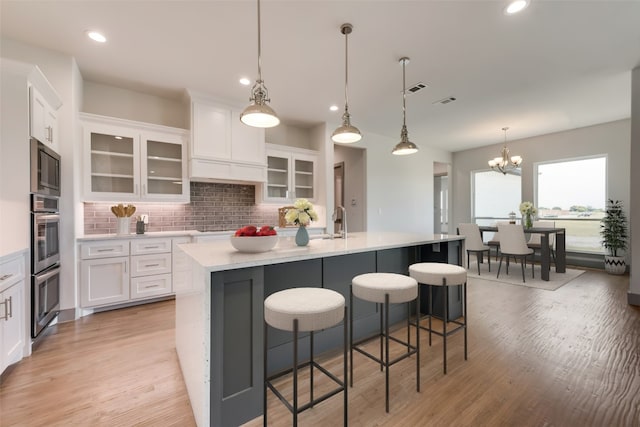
{"type": "Point", "coordinates": [613, 229]}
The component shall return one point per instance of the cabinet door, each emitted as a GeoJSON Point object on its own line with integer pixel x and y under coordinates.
{"type": "Point", "coordinates": [278, 176]}
{"type": "Point", "coordinates": [104, 281]}
{"type": "Point", "coordinates": [247, 143]}
{"type": "Point", "coordinates": [163, 167]}
{"type": "Point", "coordinates": [303, 177]}
{"type": "Point", "coordinates": [12, 324]}
{"type": "Point", "coordinates": [210, 131]}
{"type": "Point", "coordinates": [37, 116]}
{"type": "Point", "coordinates": [112, 164]}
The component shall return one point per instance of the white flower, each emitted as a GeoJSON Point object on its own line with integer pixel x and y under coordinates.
{"type": "Point", "coordinates": [302, 213]}
{"type": "Point", "coordinates": [528, 208]}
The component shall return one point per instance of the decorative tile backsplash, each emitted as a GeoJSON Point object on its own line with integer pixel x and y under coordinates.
{"type": "Point", "coordinates": [213, 207]}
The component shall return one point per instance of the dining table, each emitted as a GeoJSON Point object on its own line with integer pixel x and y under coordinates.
{"type": "Point", "coordinates": [545, 249]}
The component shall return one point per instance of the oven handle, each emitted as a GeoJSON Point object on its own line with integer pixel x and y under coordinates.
{"type": "Point", "coordinates": [47, 217]}
{"type": "Point", "coordinates": [41, 278]}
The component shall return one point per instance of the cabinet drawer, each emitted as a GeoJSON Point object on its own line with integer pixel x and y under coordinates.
{"type": "Point", "coordinates": [150, 246]}
{"type": "Point", "coordinates": [146, 265]}
{"type": "Point", "coordinates": [148, 286]}
{"type": "Point", "coordinates": [104, 249]}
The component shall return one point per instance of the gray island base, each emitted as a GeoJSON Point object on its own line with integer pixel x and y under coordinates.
{"type": "Point", "coordinates": [219, 314]}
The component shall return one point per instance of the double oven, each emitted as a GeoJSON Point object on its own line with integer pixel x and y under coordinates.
{"type": "Point", "coordinates": [45, 236]}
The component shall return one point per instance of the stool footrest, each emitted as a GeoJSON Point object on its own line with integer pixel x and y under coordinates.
{"type": "Point", "coordinates": [315, 401]}
{"type": "Point", "coordinates": [412, 350]}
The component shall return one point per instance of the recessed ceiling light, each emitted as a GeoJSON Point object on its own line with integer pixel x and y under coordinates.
{"type": "Point", "coordinates": [96, 36]}
{"type": "Point", "coordinates": [516, 6]}
{"type": "Point", "coordinates": [245, 81]}
{"type": "Point", "coordinates": [333, 108]}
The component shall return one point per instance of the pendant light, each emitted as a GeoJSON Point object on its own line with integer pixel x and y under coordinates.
{"type": "Point", "coordinates": [405, 146]}
{"type": "Point", "coordinates": [346, 133]}
{"type": "Point", "coordinates": [258, 113]}
{"type": "Point", "coordinates": [505, 163]}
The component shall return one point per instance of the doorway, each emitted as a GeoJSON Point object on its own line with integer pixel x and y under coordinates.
{"type": "Point", "coordinates": [338, 196]}
{"type": "Point", "coordinates": [440, 198]}
{"type": "Point", "coordinates": [349, 181]}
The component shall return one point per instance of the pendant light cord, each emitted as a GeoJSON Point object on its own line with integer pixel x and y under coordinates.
{"type": "Point", "coordinates": [346, 68]}
{"type": "Point", "coordinates": [259, 48]}
{"type": "Point", "coordinates": [404, 94]}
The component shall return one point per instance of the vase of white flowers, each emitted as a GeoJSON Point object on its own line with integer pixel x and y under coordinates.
{"type": "Point", "coordinates": [528, 211]}
{"type": "Point", "coordinates": [301, 215]}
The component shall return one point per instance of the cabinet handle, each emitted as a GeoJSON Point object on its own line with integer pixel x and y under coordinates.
{"type": "Point", "coordinates": [144, 189]}
{"type": "Point", "coordinates": [152, 265]}
{"type": "Point", "coordinates": [152, 286]}
{"type": "Point", "coordinates": [105, 250]}
{"type": "Point", "coordinates": [51, 133]}
{"type": "Point", "coordinates": [10, 310]}
{"type": "Point", "coordinates": [152, 247]}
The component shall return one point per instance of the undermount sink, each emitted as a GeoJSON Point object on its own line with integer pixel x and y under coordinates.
{"type": "Point", "coordinates": [332, 236]}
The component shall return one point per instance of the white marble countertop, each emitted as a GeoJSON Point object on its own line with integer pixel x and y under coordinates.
{"type": "Point", "coordinates": [184, 233]}
{"type": "Point", "coordinates": [220, 255]}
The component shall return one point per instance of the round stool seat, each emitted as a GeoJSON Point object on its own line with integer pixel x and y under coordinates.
{"type": "Point", "coordinates": [373, 287]}
{"type": "Point", "coordinates": [315, 309]}
{"type": "Point", "coordinates": [432, 273]}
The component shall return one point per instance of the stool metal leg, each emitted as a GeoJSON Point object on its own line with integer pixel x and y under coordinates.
{"type": "Point", "coordinates": [430, 310]}
{"type": "Point", "coordinates": [386, 342]}
{"type": "Point", "coordinates": [408, 326]}
{"type": "Point", "coordinates": [381, 306]}
{"type": "Point", "coordinates": [295, 373]}
{"type": "Point", "coordinates": [344, 360]}
{"type": "Point", "coordinates": [444, 322]}
{"type": "Point", "coordinates": [350, 337]}
{"type": "Point", "coordinates": [417, 340]}
{"type": "Point", "coordinates": [264, 383]}
{"type": "Point", "coordinates": [311, 369]}
{"type": "Point", "coordinates": [464, 304]}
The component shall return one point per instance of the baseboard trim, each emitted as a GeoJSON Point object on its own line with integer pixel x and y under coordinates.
{"type": "Point", "coordinates": [633, 299]}
{"type": "Point", "coordinates": [67, 315]}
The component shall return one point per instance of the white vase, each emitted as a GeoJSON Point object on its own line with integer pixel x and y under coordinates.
{"type": "Point", "coordinates": [123, 225]}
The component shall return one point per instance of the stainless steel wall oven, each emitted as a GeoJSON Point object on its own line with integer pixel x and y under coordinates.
{"type": "Point", "coordinates": [45, 261]}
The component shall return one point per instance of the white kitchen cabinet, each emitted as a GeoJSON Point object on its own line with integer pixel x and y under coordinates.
{"type": "Point", "coordinates": [117, 271]}
{"type": "Point", "coordinates": [12, 315]}
{"type": "Point", "coordinates": [292, 174]}
{"type": "Point", "coordinates": [222, 147]}
{"type": "Point", "coordinates": [132, 161]}
{"type": "Point", "coordinates": [43, 121]}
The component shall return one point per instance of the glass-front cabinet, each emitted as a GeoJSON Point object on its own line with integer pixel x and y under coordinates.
{"type": "Point", "coordinates": [126, 161]}
{"type": "Point", "coordinates": [291, 174]}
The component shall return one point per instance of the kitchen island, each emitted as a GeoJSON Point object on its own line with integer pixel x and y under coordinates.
{"type": "Point", "coordinates": [219, 317]}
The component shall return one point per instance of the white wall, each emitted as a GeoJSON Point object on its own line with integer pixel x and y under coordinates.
{"type": "Point", "coordinates": [355, 195]}
{"type": "Point", "coordinates": [634, 206]}
{"type": "Point", "coordinates": [62, 72]}
{"type": "Point", "coordinates": [127, 104]}
{"type": "Point", "coordinates": [291, 136]}
{"type": "Point", "coordinates": [399, 188]}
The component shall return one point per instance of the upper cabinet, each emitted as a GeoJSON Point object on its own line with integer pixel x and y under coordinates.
{"type": "Point", "coordinates": [222, 147]}
{"type": "Point", "coordinates": [132, 161]}
{"type": "Point", "coordinates": [43, 121]}
{"type": "Point", "coordinates": [292, 174]}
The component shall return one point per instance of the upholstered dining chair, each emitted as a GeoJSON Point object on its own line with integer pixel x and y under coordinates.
{"type": "Point", "coordinates": [495, 240]}
{"type": "Point", "coordinates": [474, 244]}
{"type": "Point", "coordinates": [535, 240]}
{"type": "Point", "coordinates": [514, 243]}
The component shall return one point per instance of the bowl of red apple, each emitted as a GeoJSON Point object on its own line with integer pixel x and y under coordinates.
{"type": "Point", "coordinates": [253, 239]}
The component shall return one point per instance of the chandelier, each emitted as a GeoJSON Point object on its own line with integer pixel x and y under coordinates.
{"type": "Point", "coordinates": [505, 163]}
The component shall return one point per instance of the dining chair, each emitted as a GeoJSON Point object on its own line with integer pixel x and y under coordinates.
{"type": "Point", "coordinates": [535, 240]}
{"type": "Point", "coordinates": [514, 243]}
{"type": "Point", "coordinates": [495, 240]}
{"type": "Point", "coordinates": [474, 244]}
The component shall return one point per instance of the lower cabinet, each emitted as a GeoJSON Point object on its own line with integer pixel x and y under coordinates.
{"type": "Point", "coordinates": [124, 270]}
{"type": "Point", "coordinates": [12, 315]}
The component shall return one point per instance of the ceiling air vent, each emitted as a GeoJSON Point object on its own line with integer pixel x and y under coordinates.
{"type": "Point", "coordinates": [446, 100]}
{"type": "Point", "coordinates": [416, 88]}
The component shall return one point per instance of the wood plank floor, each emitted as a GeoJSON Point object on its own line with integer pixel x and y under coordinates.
{"type": "Point", "coordinates": [569, 357]}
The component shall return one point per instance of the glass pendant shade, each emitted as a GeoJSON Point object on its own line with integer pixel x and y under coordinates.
{"type": "Point", "coordinates": [405, 146]}
{"type": "Point", "coordinates": [259, 113]}
{"type": "Point", "coordinates": [347, 133]}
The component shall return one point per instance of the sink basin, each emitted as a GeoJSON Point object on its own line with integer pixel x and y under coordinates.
{"type": "Point", "coordinates": [331, 236]}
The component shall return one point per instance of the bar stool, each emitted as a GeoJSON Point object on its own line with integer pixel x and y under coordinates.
{"type": "Point", "coordinates": [385, 289]}
{"type": "Point", "coordinates": [304, 310]}
{"type": "Point", "coordinates": [445, 275]}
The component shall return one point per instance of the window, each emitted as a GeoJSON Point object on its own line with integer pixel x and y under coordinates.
{"type": "Point", "coordinates": [573, 194]}
{"type": "Point", "coordinates": [494, 196]}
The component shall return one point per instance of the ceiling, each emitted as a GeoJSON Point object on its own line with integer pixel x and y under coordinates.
{"type": "Point", "coordinates": [557, 65]}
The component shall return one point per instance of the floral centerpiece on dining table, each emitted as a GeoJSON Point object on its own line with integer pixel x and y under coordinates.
{"type": "Point", "coordinates": [528, 211]}
{"type": "Point", "coordinates": [301, 215]}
